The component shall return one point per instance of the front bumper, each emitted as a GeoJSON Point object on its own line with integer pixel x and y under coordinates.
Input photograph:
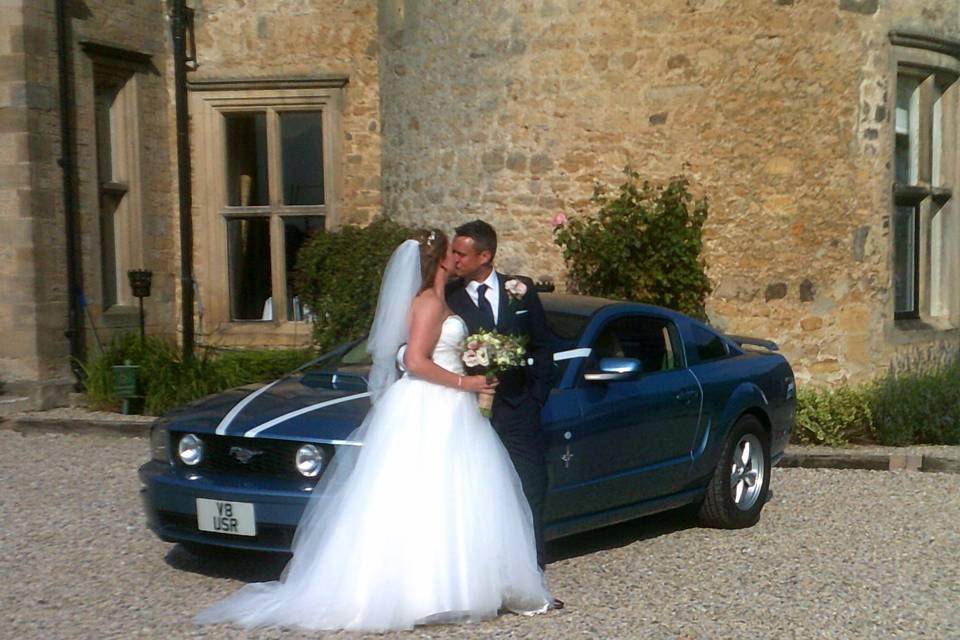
{"type": "Point", "coordinates": [169, 496]}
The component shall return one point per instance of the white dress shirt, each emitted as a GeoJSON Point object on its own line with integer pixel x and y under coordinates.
{"type": "Point", "coordinates": [492, 294]}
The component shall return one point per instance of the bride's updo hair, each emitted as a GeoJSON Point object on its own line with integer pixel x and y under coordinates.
{"type": "Point", "coordinates": [433, 249]}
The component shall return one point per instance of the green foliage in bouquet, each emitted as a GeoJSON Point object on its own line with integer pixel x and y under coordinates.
{"type": "Point", "coordinates": [338, 276]}
{"type": "Point", "coordinates": [643, 244]}
{"type": "Point", "coordinates": [492, 353]}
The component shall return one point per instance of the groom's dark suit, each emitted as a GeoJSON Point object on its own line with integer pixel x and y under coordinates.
{"type": "Point", "coordinates": [521, 392]}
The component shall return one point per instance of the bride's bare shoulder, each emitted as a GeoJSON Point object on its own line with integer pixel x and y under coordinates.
{"type": "Point", "coordinates": [428, 302]}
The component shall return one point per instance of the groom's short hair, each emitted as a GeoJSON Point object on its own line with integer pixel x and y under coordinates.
{"type": "Point", "coordinates": [483, 235]}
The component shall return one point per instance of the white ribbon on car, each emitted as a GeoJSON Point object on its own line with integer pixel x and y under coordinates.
{"type": "Point", "coordinates": [252, 433]}
{"type": "Point", "coordinates": [571, 354]}
{"type": "Point", "coordinates": [227, 419]}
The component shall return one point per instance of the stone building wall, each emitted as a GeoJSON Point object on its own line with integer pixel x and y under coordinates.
{"type": "Point", "coordinates": [234, 40]}
{"type": "Point", "coordinates": [778, 110]}
{"type": "Point", "coordinates": [34, 356]}
{"type": "Point", "coordinates": [143, 28]}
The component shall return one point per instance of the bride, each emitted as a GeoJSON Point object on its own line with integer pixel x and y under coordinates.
{"type": "Point", "coordinates": [427, 521]}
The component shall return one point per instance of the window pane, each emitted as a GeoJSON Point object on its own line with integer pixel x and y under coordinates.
{"type": "Point", "coordinates": [296, 231]}
{"type": "Point", "coordinates": [108, 248]}
{"type": "Point", "coordinates": [907, 125]}
{"type": "Point", "coordinates": [709, 345]}
{"type": "Point", "coordinates": [247, 159]}
{"type": "Point", "coordinates": [105, 96]}
{"type": "Point", "coordinates": [649, 340]}
{"type": "Point", "coordinates": [939, 263]}
{"type": "Point", "coordinates": [249, 255]}
{"type": "Point", "coordinates": [302, 154]}
{"type": "Point", "coordinates": [904, 259]}
{"type": "Point", "coordinates": [106, 91]}
{"type": "Point", "coordinates": [936, 144]}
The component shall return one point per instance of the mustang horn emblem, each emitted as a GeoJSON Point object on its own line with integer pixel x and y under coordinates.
{"type": "Point", "coordinates": [244, 455]}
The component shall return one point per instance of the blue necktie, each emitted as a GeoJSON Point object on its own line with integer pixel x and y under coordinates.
{"type": "Point", "coordinates": [486, 311]}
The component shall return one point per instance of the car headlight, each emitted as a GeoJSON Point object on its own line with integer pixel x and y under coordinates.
{"type": "Point", "coordinates": [310, 460]}
{"type": "Point", "coordinates": [160, 444]}
{"type": "Point", "coordinates": [190, 450]}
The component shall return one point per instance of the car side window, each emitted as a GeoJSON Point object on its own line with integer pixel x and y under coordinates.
{"type": "Point", "coordinates": [708, 344]}
{"type": "Point", "coordinates": [653, 341]}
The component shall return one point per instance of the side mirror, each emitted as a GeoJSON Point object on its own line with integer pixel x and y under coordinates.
{"type": "Point", "coordinates": [615, 369]}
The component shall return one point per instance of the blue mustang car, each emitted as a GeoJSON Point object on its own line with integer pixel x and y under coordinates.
{"type": "Point", "coordinates": [650, 410]}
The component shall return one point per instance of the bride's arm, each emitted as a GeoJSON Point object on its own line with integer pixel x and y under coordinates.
{"type": "Point", "coordinates": [426, 321]}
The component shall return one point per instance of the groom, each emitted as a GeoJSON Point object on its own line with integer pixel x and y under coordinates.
{"type": "Point", "coordinates": [487, 299]}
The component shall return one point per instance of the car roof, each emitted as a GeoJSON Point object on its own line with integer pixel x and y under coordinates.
{"type": "Point", "coordinates": [589, 305]}
{"type": "Point", "coordinates": [577, 305]}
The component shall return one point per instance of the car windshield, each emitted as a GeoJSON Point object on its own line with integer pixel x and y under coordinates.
{"type": "Point", "coordinates": [351, 362]}
{"type": "Point", "coordinates": [344, 368]}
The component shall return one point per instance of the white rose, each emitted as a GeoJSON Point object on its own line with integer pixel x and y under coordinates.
{"type": "Point", "coordinates": [482, 358]}
{"type": "Point", "coordinates": [470, 358]}
{"type": "Point", "coordinates": [516, 288]}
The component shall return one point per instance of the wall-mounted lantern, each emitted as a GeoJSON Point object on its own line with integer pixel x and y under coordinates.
{"type": "Point", "coordinates": [140, 280]}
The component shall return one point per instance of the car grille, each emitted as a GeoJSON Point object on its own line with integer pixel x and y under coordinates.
{"type": "Point", "coordinates": [274, 458]}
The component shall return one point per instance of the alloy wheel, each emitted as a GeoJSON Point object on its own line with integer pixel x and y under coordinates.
{"type": "Point", "coordinates": [746, 473]}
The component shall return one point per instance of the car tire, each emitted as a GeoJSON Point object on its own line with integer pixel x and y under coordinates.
{"type": "Point", "coordinates": [738, 489]}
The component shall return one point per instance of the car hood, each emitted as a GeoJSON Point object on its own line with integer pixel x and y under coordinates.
{"type": "Point", "coordinates": [290, 408]}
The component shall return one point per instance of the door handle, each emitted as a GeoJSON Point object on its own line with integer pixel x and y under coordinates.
{"type": "Point", "coordinates": [686, 396]}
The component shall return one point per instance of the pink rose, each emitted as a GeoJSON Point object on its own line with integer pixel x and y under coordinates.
{"type": "Point", "coordinates": [560, 219]}
{"type": "Point", "coordinates": [470, 358]}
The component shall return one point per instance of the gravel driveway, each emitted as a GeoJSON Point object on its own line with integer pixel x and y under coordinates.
{"type": "Point", "coordinates": [843, 554]}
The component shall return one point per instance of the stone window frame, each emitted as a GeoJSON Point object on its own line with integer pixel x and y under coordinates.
{"type": "Point", "coordinates": [928, 56]}
{"type": "Point", "coordinates": [124, 68]}
{"type": "Point", "coordinates": [209, 99]}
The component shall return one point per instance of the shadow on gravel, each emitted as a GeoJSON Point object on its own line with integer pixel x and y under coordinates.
{"type": "Point", "coordinates": [246, 566]}
{"type": "Point", "coordinates": [252, 566]}
{"type": "Point", "coordinates": [620, 535]}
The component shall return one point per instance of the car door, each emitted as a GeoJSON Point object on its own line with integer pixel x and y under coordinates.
{"type": "Point", "coordinates": [632, 438]}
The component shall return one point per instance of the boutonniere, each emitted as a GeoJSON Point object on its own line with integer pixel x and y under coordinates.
{"type": "Point", "coordinates": [515, 289]}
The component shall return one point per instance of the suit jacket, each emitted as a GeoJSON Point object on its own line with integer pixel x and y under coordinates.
{"type": "Point", "coordinates": [523, 317]}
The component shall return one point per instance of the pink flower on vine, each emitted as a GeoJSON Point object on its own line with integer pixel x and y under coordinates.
{"type": "Point", "coordinates": [559, 220]}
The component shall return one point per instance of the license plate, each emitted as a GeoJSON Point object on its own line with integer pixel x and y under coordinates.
{"type": "Point", "coordinates": [222, 516]}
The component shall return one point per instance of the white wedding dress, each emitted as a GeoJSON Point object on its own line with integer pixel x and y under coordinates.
{"type": "Point", "coordinates": [428, 523]}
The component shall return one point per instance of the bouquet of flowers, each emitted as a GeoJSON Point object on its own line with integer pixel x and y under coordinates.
{"type": "Point", "coordinates": [490, 353]}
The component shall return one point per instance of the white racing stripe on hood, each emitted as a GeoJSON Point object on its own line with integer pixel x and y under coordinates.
{"type": "Point", "coordinates": [227, 419]}
{"type": "Point", "coordinates": [299, 412]}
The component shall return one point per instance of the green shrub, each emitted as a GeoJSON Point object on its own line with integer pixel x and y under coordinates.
{"type": "Point", "coordinates": [166, 381]}
{"type": "Point", "coordinates": [833, 416]}
{"type": "Point", "coordinates": [921, 407]}
{"type": "Point", "coordinates": [338, 276]}
{"type": "Point", "coordinates": [643, 244]}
